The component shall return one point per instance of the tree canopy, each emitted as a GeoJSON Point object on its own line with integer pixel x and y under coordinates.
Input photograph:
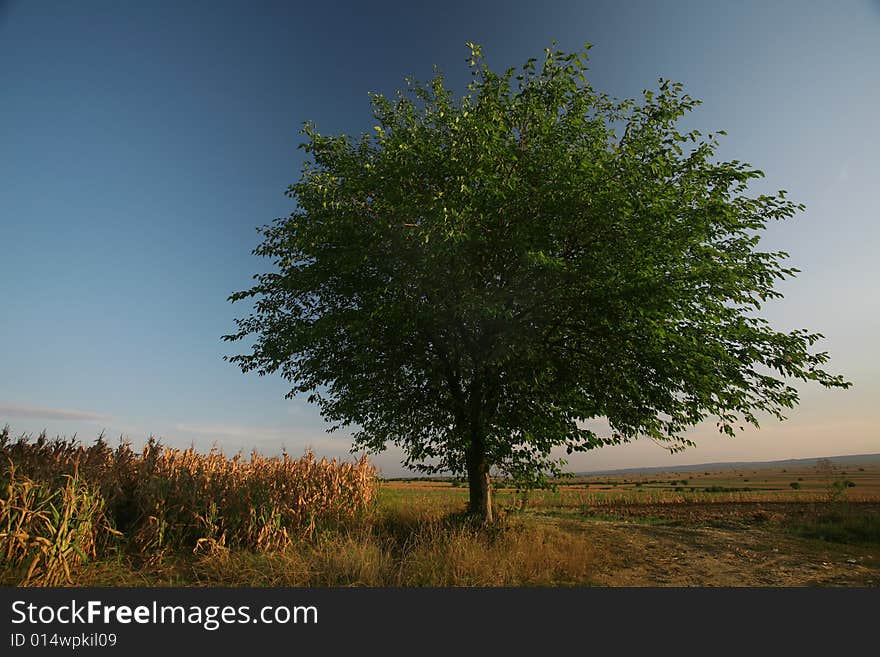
{"type": "Point", "coordinates": [485, 273]}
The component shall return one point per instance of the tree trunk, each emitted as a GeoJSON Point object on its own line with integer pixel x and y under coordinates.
{"type": "Point", "coordinates": [478, 482]}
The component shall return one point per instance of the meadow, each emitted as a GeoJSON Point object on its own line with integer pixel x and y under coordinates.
{"type": "Point", "coordinates": [72, 515]}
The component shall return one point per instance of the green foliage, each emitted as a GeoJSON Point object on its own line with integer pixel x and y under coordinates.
{"type": "Point", "coordinates": [843, 524]}
{"type": "Point", "coordinates": [483, 274]}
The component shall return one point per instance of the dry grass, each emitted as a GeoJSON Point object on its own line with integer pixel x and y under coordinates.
{"type": "Point", "coordinates": [727, 544]}
{"type": "Point", "coordinates": [408, 540]}
{"type": "Point", "coordinates": [386, 553]}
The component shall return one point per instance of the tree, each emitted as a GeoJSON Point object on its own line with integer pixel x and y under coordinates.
{"type": "Point", "coordinates": [484, 274]}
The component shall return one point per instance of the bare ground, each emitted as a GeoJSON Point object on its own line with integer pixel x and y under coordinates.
{"type": "Point", "coordinates": [725, 545]}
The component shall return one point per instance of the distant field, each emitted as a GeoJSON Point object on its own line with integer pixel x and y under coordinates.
{"type": "Point", "coordinates": [791, 484]}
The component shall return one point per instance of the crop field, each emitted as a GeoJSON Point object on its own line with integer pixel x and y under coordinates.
{"type": "Point", "coordinates": [63, 504]}
{"type": "Point", "coordinates": [78, 516]}
{"type": "Point", "coordinates": [859, 483]}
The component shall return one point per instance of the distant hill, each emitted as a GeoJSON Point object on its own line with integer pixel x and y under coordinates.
{"type": "Point", "coordinates": [850, 459]}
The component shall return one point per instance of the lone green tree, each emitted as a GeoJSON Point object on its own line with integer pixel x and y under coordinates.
{"type": "Point", "coordinates": [483, 274]}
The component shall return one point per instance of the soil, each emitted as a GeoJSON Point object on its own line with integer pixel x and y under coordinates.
{"type": "Point", "coordinates": [730, 545]}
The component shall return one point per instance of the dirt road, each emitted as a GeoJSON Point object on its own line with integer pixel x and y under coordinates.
{"type": "Point", "coordinates": [731, 545]}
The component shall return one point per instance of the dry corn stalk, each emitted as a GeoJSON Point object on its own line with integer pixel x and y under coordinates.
{"type": "Point", "coordinates": [164, 498]}
{"type": "Point", "coordinates": [45, 531]}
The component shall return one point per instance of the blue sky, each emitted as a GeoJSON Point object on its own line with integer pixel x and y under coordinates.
{"type": "Point", "coordinates": [141, 144]}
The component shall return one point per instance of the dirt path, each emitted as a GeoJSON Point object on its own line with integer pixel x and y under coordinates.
{"type": "Point", "coordinates": [708, 549]}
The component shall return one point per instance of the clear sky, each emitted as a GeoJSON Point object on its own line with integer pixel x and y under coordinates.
{"type": "Point", "coordinates": [141, 144]}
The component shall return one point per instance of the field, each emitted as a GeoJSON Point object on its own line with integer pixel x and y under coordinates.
{"type": "Point", "coordinates": [169, 517]}
{"type": "Point", "coordinates": [707, 528]}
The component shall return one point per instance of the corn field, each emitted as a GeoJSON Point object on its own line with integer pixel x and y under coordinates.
{"type": "Point", "coordinates": [63, 503]}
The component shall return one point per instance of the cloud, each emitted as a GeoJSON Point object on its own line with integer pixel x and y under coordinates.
{"type": "Point", "coordinates": [38, 413]}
